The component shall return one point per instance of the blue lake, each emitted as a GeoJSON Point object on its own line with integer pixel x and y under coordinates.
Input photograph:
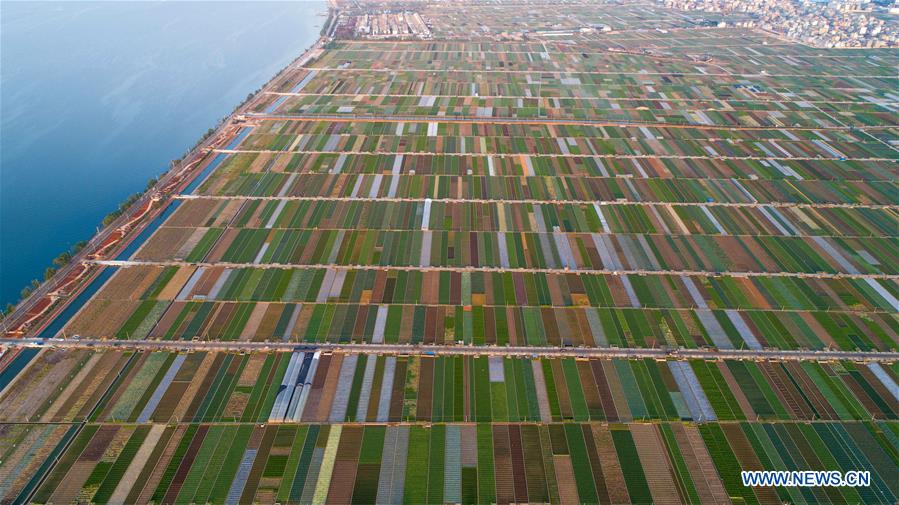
{"type": "Point", "coordinates": [97, 97]}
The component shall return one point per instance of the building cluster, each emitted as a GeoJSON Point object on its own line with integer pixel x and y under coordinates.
{"type": "Point", "coordinates": [386, 25]}
{"type": "Point", "coordinates": [838, 23]}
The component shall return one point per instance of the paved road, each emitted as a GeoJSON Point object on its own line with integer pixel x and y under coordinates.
{"type": "Point", "coordinates": [616, 99]}
{"type": "Point", "coordinates": [413, 227]}
{"type": "Point", "coordinates": [537, 120]}
{"type": "Point", "coordinates": [699, 273]}
{"type": "Point", "coordinates": [543, 202]}
{"type": "Point", "coordinates": [755, 75]}
{"type": "Point", "coordinates": [446, 350]}
{"type": "Point", "coordinates": [362, 48]}
{"type": "Point", "coordinates": [573, 155]}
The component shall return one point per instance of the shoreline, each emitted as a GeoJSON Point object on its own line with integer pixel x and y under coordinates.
{"type": "Point", "coordinates": [39, 310]}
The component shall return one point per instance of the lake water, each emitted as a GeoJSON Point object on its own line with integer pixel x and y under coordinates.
{"type": "Point", "coordinates": [97, 97]}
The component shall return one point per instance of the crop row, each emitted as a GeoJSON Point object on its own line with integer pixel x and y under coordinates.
{"type": "Point", "coordinates": [500, 95]}
{"type": "Point", "coordinates": [730, 44]}
{"type": "Point", "coordinates": [637, 166]}
{"type": "Point", "coordinates": [479, 325]}
{"type": "Point", "coordinates": [725, 53]}
{"type": "Point", "coordinates": [524, 108]}
{"type": "Point", "coordinates": [501, 289]}
{"type": "Point", "coordinates": [27, 452]}
{"type": "Point", "coordinates": [232, 181]}
{"type": "Point", "coordinates": [431, 137]}
{"type": "Point", "coordinates": [470, 101]}
{"type": "Point", "coordinates": [499, 463]}
{"type": "Point", "coordinates": [543, 134]}
{"type": "Point", "coordinates": [551, 249]}
{"type": "Point", "coordinates": [536, 217]}
{"type": "Point", "coordinates": [490, 308]}
{"type": "Point", "coordinates": [326, 387]}
{"type": "Point", "coordinates": [733, 41]}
